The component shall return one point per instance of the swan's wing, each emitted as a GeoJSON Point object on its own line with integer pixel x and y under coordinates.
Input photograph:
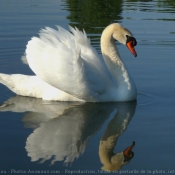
{"type": "Point", "coordinates": [67, 61]}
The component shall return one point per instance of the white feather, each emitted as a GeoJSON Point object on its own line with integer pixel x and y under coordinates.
{"type": "Point", "coordinates": [67, 61]}
{"type": "Point", "coordinates": [68, 68]}
{"type": "Point", "coordinates": [32, 86]}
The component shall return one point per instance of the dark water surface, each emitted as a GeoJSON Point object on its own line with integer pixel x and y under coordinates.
{"type": "Point", "coordinates": [68, 138]}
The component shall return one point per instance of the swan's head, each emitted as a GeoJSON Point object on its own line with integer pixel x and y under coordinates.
{"type": "Point", "coordinates": [116, 161]}
{"type": "Point", "coordinates": [124, 36]}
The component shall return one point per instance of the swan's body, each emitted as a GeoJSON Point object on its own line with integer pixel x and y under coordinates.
{"type": "Point", "coordinates": [68, 68]}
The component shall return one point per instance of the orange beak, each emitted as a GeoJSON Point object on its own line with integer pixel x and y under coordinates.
{"type": "Point", "coordinates": [131, 48]}
{"type": "Point", "coordinates": [127, 151]}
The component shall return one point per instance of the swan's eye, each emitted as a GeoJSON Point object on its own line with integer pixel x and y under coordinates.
{"type": "Point", "coordinates": [130, 38]}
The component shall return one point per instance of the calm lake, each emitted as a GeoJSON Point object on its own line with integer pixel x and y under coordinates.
{"type": "Point", "coordinates": [73, 138]}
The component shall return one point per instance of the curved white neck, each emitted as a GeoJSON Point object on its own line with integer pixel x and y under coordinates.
{"type": "Point", "coordinates": [123, 80]}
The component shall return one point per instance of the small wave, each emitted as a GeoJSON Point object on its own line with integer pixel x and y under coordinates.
{"type": "Point", "coordinates": [145, 98]}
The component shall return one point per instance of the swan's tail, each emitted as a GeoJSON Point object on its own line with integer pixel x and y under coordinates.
{"type": "Point", "coordinates": [32, 86]}
{"type": "Point", "coordinates": [21, 84]}
{"type": "Point", "coordinates": [6, 80]}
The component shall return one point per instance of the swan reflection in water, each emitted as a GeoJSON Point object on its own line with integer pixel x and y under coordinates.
{"type": "Point", "coordinates": [62, 129]}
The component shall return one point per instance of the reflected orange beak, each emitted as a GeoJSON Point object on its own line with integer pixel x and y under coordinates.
{"type": "Point", "coordinates": [131, 48]}
{"type": "Point", "coordinates": [127, 152]}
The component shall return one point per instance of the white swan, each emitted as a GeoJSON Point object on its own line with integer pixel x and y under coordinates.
{"type": "Point", "coordinates": [68, 68]}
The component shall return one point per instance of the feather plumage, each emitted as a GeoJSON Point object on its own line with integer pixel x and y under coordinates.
{"type": "Point", "coordinates": [68, 62]}
{"type": "Point", "coordinates": [68, 68]}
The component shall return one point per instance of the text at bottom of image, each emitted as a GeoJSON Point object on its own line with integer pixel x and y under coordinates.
{"type": "Point", "coordinates": [68, 171]}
